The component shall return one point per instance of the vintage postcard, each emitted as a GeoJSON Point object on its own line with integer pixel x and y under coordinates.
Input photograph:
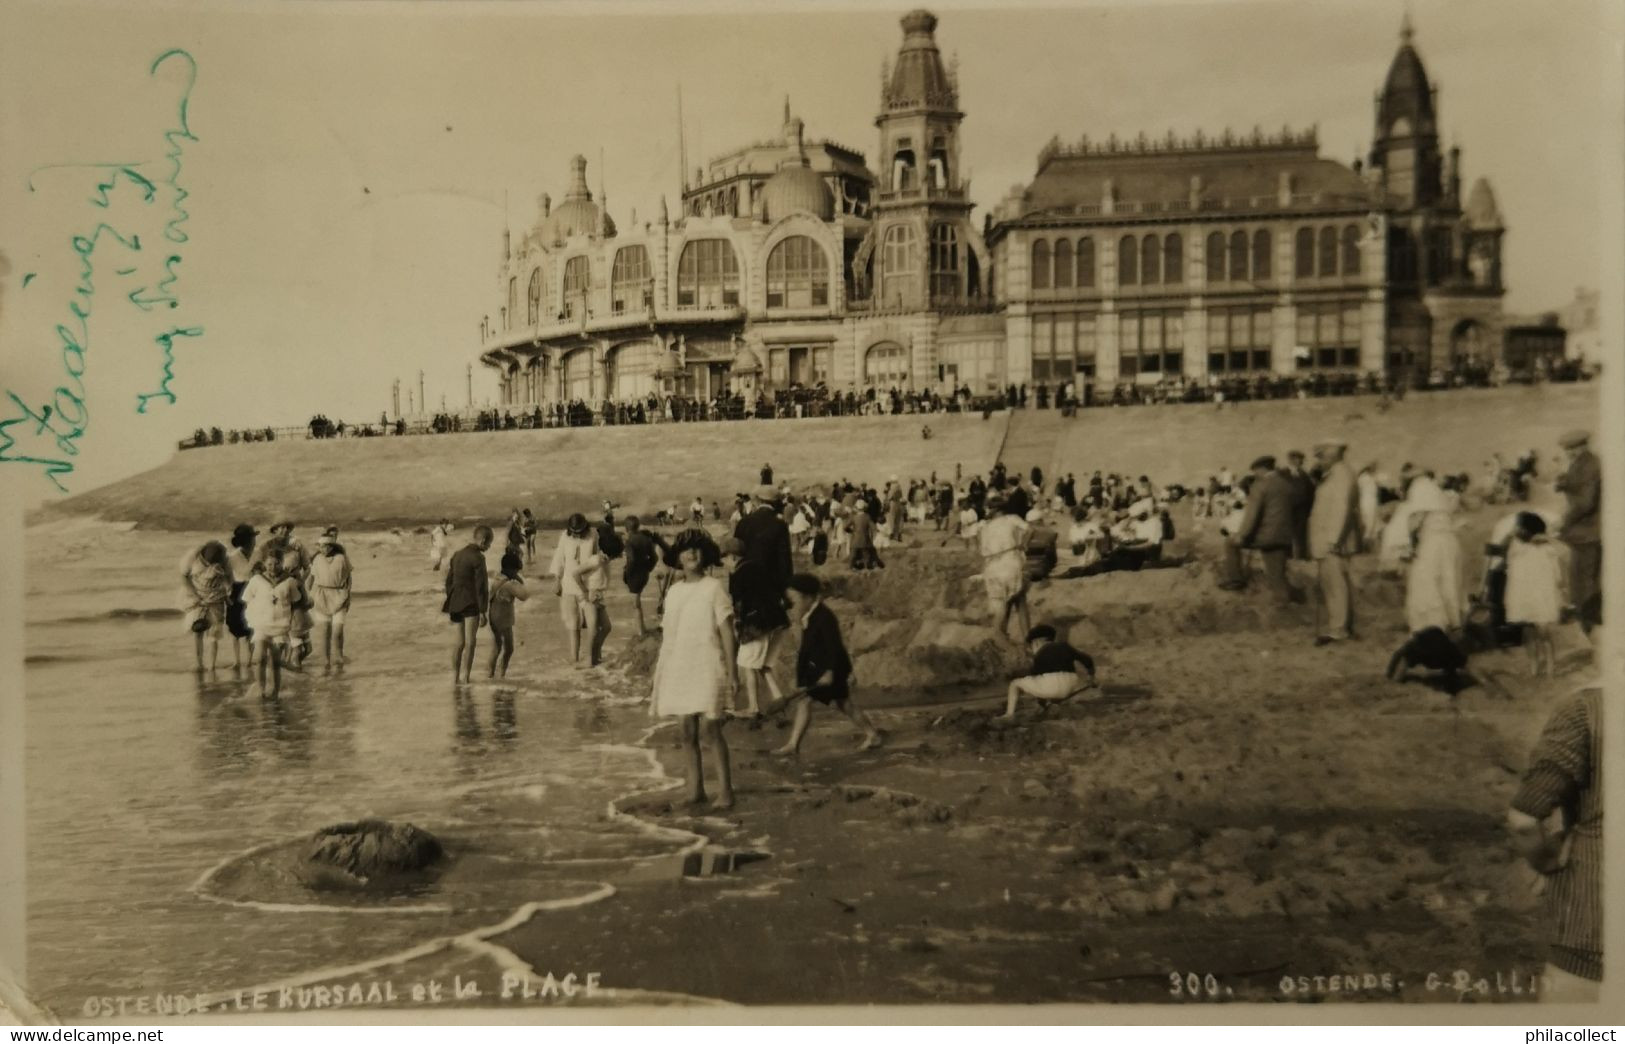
{"type": "Point", "coordinates": [1094, 510]}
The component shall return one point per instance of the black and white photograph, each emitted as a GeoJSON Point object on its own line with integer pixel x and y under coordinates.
{"type": "Point", "coordinates": [1052, 511]}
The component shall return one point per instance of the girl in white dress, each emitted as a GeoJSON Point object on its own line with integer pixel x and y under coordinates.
{"type": "Point", "coordinates": [1433, 588]}
{"type": "Point", "coordinates": [697, 671]}
{"type": "Point", "coordinates": [1534, 594]}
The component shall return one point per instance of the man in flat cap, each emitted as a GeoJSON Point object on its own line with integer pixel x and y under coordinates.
{"type": "Point", "coordinates": [1582, 527]}
{"type": "Point", "coordinates": [1334, 535]}
{"type": "Point", "coordinates": [1266, 526]}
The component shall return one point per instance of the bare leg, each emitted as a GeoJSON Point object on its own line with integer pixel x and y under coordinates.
{"type": "Point", "coordinates": [326, 627]}
{"type": "Point", "coordinates": [496, 653]}
{"type": "Point", "coordinates": [600, 634]}
{"type": "Point", "coordinates": [570, 611]}
{"type": "Point", "coordinates": [719, 752]}
{"type": "Point", "coordinates": [752, 703]}
{"type": "Point", "coordinates": [338, 640]}
{"type": "Point", "coordinates": [197, 644]}
{"type": "Point", "coordinates": [691, 751]}
{"type": "Point", "coordinates": [772, 687]}
{"type": "Point", "coordinates": [457, 651]}
{"type": "Point", "coordinates": [471, 633]}
{"type": "Point", "coordinates": [637, 604]}
{"type": "Point", "coordinates": [1012, 696]}
{"type": "Point", "coordinates": [1531, 641]}
{"type": "Point", "coordinates": [792, 746]}
{"type": "Point", "coordinates": [214, 649]}
{"type": "Point", "coordinates": [276, 669]}
{"type": "Point", "coordinates": [871, 735]}
{"type": "Point", "coordinates": [1023, 617]}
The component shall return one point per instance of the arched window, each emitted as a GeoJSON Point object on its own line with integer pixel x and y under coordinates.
{"type": "Point", "coordinates": [1238, 256]}
{"type": "Point", "coordinates": [1328, 251]}
{"type": "Point", "coordinates": [535, 298]}
{"type": "Point", "coordinates": [903, 170]}
{"type": "Point", "coordinates": [513, 300]}
{"type": "Point", "coordinates": [1351, 250]}
{"type": "Point", "coordinates": [1150, 261]}
{"type": "Point", "coordinates": [1128, 261]}
{"type": "Point", "coordinates": [944, 261]}
{"type": "Point", "coordinates": [1063, 263]}
{"type": "Point", "coordinates": [1304, 253]}
{"type": "Point", "coordinates": [1041, 269]}
{"type": "Point", "coordinates": [885, 365]}
{"type": "Point", "coordinates": [1215, 257]}
{"type": "Point", "coordinates": [1086, 261]}
{"type": "Point", "coordinates": [707, 275]}
{"type": "Point", "coordinates": [629, 280]}
{"type": "Point", "coordinates": [578, 367]}
{"type": "Point", "coordinates": [797, 274]}
{"type": "Point", "coordinates": [899, 263]}
{"type": "Point", "coordinates": [1173, 258]}
{"type": "Point", "coordinates": [577, 278]}
{"type": "Point", "coordinates": [1263, 249]}
{"type": "Point", "coordinates": [632, 369]}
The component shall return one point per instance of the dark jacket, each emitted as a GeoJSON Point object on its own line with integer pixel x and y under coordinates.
{"type": "Point", "coordinates": [758, 606]}
{"type": "Point", "coordinates": [1270, 520]}
{"type": "Point", "coordinates": [467, 584]}
{"type": "Point", "coordinates": [767, 541]}
{"type": "Point", "coordinates": [1582, 485]}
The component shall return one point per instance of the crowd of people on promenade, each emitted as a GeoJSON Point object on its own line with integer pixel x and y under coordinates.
{"type": "Point", "coordinates": [799, 401]}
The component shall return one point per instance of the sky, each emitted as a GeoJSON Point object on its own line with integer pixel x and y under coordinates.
{"type": "Point", "coordinates": [350, 168]}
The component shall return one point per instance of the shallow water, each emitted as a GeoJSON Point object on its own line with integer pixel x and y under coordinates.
{"type": "Point", "coordinates": [147, 784]}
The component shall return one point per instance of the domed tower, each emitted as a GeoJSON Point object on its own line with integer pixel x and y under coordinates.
{"type": "Point", "coordinates": [796, 187]}
{"type": "Point", "coordinates": [923, 243]}
{"type": "Point", "coordinates": [577, 214]}
{"type": "Point", "coordinates": [1405, 147]}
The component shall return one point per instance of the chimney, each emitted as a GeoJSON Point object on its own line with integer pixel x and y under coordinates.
{"type": "Point", "coordinates": [1283, 193]}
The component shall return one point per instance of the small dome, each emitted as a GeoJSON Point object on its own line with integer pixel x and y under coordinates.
{"type": "Point", "coordinates": [577, 214]}
{"type": "Point", "coordinates": [796, 187]}
{"type": "Point", "coordinates": [745, 361]}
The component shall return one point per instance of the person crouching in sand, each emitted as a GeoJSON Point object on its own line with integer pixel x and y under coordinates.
{"type": "Point", "coordinates": [823, 668]}
{"type": "Point", "coordinates": [1054, 675]}
{"type": "Point", "coordinates": [696, 673]}
{"type": "Point", "coordinates": [509, 588]}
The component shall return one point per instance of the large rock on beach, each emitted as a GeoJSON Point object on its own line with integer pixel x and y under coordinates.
{"type": "Point", "coordinates": [368, 854]}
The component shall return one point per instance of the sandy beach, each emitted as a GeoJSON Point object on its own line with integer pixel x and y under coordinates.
{"type": "Point", "coordinates": [1235, 814]}
{"type": "Point", "coordinates": [1235, 803]}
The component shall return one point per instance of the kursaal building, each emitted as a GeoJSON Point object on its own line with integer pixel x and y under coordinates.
{"type": "Point", "coordinates": [793, 262]}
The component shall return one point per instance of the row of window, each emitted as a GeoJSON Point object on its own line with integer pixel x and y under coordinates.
{"type": "Point", "coordinates": [1152, 260]}
{"type": "Point", "coordinates": [1239, 340]}
{"type": "Point", "coordinates": [798, 276]}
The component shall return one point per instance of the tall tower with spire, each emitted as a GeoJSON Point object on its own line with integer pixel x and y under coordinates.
{"type": "Point", "coordinates": [1444, 269]}
{"type": "Point", "coordinates": [1405, 146]}
{"type": "Point", "coordinates": [925, 250]}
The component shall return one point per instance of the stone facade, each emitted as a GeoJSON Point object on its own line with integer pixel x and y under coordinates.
{"type": "Point", "coordinates": [1138, 261]}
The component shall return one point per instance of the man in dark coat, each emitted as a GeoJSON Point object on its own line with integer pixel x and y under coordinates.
{"type": "Point", "coordinates": [1267, 526]}
{"type": "Point", "coordinates": [767, 538]}
{"type": "Point", "coordinates": [1581, 485]}
{"type": "Point", "coordinates": [1301, 487]}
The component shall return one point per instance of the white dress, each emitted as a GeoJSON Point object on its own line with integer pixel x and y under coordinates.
{"type": "Point", "coordinates": [691, 676]}
{"type": "Point", "coordinates": [1535, 572]}
{"type": "Point", "coordinates": [1433, 591]}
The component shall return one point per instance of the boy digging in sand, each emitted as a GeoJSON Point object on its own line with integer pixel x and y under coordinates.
{"type": "Point", "coordinates": [1054, 676]}
{"type": "Point", "coordinates": [823, 669]}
